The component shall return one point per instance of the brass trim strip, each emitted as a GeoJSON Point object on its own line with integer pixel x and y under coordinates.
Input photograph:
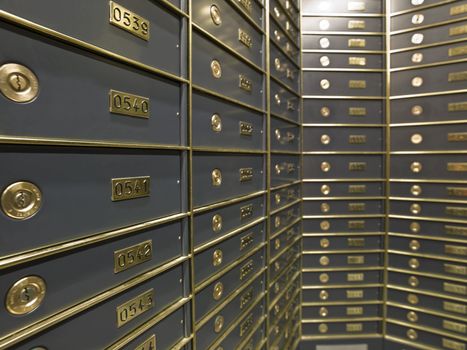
{"type": "Point", "coordinates": [174, 8]}
{"type": "Point", "coordinates": [342, 286]}
{"type": "Point", "coordinates": [343, 303]}
{"type": "Point", "coordinates": [431, 152]}
{"type": "Point", "coordinates": [343, 180]}
{"type": "Point", "coordinates": [285, 86]}
{"type": "Point", "coordinates": [430, 200]}
{"type": "Point", "coordinates": [343, 234]}
{"type": "Point", "coordinates": [312, 125]}
{"type": "Point", "coordinates": [228, 202]}
{"type": "Point", "coordinates": [424, 218]}
{"type": "Point", "coordinates": [311, 199]}
{"type": "Point", "coordinates": [328, 97]}
{"type": "Point", "coordinates": [430, 181]}
{"type": "Point", "coordinates": [428, 26]}
{"type": "Point", "coordinates": [429, 94]}
{"type": "Point", "coordinates": [427, 274]}
{"type": "Point", "coordinates": [427, 256]}
{"type": "Point", "coordinates": [341, 152]}
{"type": "Point", "coordinates": [285, 185]}
{"type": "Point", "coordinates": [428, 65]}
{"type": "Point", "coordinates": [446, 122]}
{"type": "Point", "coordinates": [343, 319]}
{"type": "Point", "coordinates": [284, 118]}
{"type": "Point", "coordinates": [425, 310]}
{"type": "Point", "coordinates": [344, 251]}
{"type": "Point", "coordinates": [423, 292]}
{"type": "Point", "coordinates": [409, 343]}
{"type": "Point", "coordinates": [182, 343]}
{"type": "Point", "coordinates": [344, 33]}
{"type": "Point", "coordinates": [418, 47]}
{"type": "Point", "coordinates": [431, 238]}
{"type": "Point", "coordinates": [366, 70]}
{"type": "Point", "coordinates": [368, 52]}
{"type": "Point", "coordinates": [227, 150]}
{"type": "Point", "coordinates": [291, 204]}
{"type": "Point", "coordinates": [420, 8]}
{"type": "Point", "coordinates": [426, 329]}
{"type": "Point", "coordinates": [342, 336]}
{"type": "Point", "coordinates": [341, 14]}
{"type": "Point", "coordinates": [285, 152]}
{"type": "Point", "coordinates": [343, 269]}
{"type": "Point", "coordinates": [350, 216]}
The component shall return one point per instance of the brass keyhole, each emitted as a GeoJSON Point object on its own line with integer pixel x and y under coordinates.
{"type": "Point", "coordinates": [18, 83]}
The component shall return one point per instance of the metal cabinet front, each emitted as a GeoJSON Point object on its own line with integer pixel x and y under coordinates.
{"type": "Point", "coordinates": [343, 207]}
{"type": "Point", "coordinates": [350, 7]}
{"type": "Point", "coordinates": [288, 46]}
{"type": "Point", "coordinates": [347, 242]}
{"type": "Point", "coordinates": [429, 166]}
{"type": "Point", "coordinates": [344, 260]}
{"type": "Point", "coordinates": [284, 136]}
{"type": "Point", "coordinates": [428, 227]}
{"type": "Point", "coordinates": [285, 196]}
{"type": "Point", "coordinates": [331, 278]}
{"type": "Point", "coordinates": [341, 225]}
{"type": "Point", "coordinates": [284, 70]}
{"type": "Point", "coordinates": [343, 189]}
{"type": "Point", "coordinates": [284, 169]}
{"type": "Point", "coordinates": [434, 265]}
{"type": "Point", "coordinates": [343, 328]}
{"type": "Point", "coordinates": [451, 211]}
{"type": "Point", "coordinates": [348, 294]}
{"type": "Point", "coordinates": [327, 41]}
{"type": "Point", "coordinates": [351, 311]}
{"type": "Point", "coordinates": [284, 103]}
{"type": "Point", "coordinates": [340, 24]}
{"type": "Point", "coordinates": [355, 61]}
{"type": "Point", "coordinates": [414, 190]}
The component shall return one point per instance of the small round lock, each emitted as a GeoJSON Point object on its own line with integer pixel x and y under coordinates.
{"type": "Point", "coordinates": [277, 266]}
{"type": "Point", "coordinates": [412, 334]}
{"type": "Point", "coordinates": [325, 84]}
{"type": "Point", "coordinates": [325, 189]}
{"type": "Point", "coordinates": [324, 278]}
{"type": "Point", "coordinates": [324, 43]}
{"type": "Point", "coordinates": [325, 139]}
{"type": "Point", "coordinates": [288, 48]}
{"type": "Point", "coordinates": [324, 261]}
{"type": "Point", "coordinates": [277, 330]}
{"type": "Point", "coordinates": [21, 200]}
{"type": "Point", "coordinates": [417, 82]}
{"type": "Point", "coordinates": [277, 98]}
{"type": "Point", "coordinates": [217, 257]}
{"type": "Point", "coordinates": [277, 309]}
{"type": "Point", "coordinates": [417, 2]}
{"type": "Point", "coordinates": [277, 221]}
{"type": "Point", "coordinates": [325, 207]}
{"type": "Point", "coordinates": [323, 328]}
{"type": "Point", "coordinates": [216, 177]}
{"type": "Point", "coordinates": [216, 123]}
{"type": "Point", "coordinates": [416, 139]}
{"type": "Point", "coordinates": [325, 225]}
{"type": "Point", "coordinates": [414, 245]}
{"type": "Point", "coordinates": [277, 35]}
{"type": "Point", "coordinates": [325, 112]}
{"type": "Point", "coordinates": [413, 281]}
{"type": "Point", "coordinates": [417, 110]}
{"type": "Point", "coordinates": [418, 18]}
{"type": "Point", "coordinates": [324, 243]}
{"type": "Point", "coordinates": [277, 243]}
{"type": "Point", "coordinates": [218, 291]}
{"type": "Point", "coordinates": [412, 299]}
{"type": "Point", "coordinates": [325, 167]}
{"type": "Point", "coordinates": [278, 169]}
{"type": "Point", "coordinates": [323, 312]}
{"type": "Point", "coordinates": [416, 190]}
{"type": "Point", "coordinates": [324, 24]}
{"type": "Point", "coordinates": [416, 167]}
{"type": "Point", "coordinates": [277, 12]}
{"type": "Point", "coordinates": [325, 61]}
{"type": "Point", "coordinates": [414, 263]}
{"type": "Point", "coordinates": [18, 83]}
{"type": "Point", "coordinates": [414, 227]}
{"type": "Point", "coordinates": [25, 295]}
{"type": "Point", "coordinates": [412, 316]}
{"type": "Point", "coordinates": [415, 208]}
{"type": "Point", "coordinates": [216, 69]}
{"type": "Point", "coordinates": [277, 64]}
{"type": "Point", "coordinates": [218, 323]}
{"type": "Point", "coordinates": [278, 134]}
{"type": "Point", "coordinates": [323, 295]}
{"type": "Point", "coordinates": [216, 223]}
{"type": "Point", "coordinates": [417, 57]}
{"type": "Point", "coordinates": [277, 198]}
{"type": "Point", "coordinates": [216, 15]}
{"type": "Point", "coordinates": [417, 38]}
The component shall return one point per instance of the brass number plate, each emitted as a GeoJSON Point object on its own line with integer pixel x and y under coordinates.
{"type": "Point", "coordinates": [356, 260]}
{"type": "Point", "coordinates": [246, 298]}
{"type": "Point", "coordinates": [457, 76]}
{"type": "Point", "coordinates": [357, 166]}
{"type": "Point", "coordinates": [357, 189]}
{"type": "Point", "coordinates": [246, 241]}
{"type": "Point", "coordinates": [357, 111]}
{"type": "Point", "coordinates": [457, 51]}
{"type": "Point", "coordinates": [357, 61]}
{"type": "Point", "coordinates": [457, 137]}
{"type": "Point", "coordinates": [128, 257]}
{"type": "Point", "coordinates": [244, 83]}
{"type": "Point", "coordinates": [245, 38]}
{"type": "Point", "coordinates": [455, 288]}
{"type": "Point", "coordinates": [354, 294]}
{"type": "Point", "coordinates": [246, 269]}
{"type": "Point", "coordinates": [458, 10]}
{"type": "Point", "coordinates": [127, 104]}
{"type": "Point", "coordinates": [354, 327]}
{"type": "Point", "coordinates": [453, 345]}
{"type": "Point", "coordinates": [246, 211]}
{"type": "Point", "coordinates": [356, 6]}
{"type": "Point", "coordinates": [246, 5]}
{"type": "Point", "coordinates": [457, 107]}
{"type": "Point", "coordinates": [135, 307]}
{"type": "Point", "coordinates": [356, 42]}
{"type": "Point", "coordinates": [460, 30]}
{"type": "Point", "coordinates": [357, 84]}
{"type": "Point", "coordinates": [149, 344]}
{"type": "Point", "coordinates": [246, 325]}
{"type": "Point", "coordinates": [354, 24]}
{"type": "Point", "coordinates": [130, 188]}
{"type": "Point", "coordinates": [246, 129]}
{"type": "Point", "coordinates": [246, 174]}
{"type": "Point", "coordinates": [454, 307]}
{"type": "Point", "coordinates": [357, 139]}
{"type": "Point", "coordinates": [129, 21]}
{"type": "Point", "coordinates": [356, 225]}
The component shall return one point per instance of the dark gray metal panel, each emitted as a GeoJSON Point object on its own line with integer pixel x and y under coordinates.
{"type": "Point", "coordinates": [341, 42]}
{"type": "Point", "coordinates": [340, 260]}
{"type": "Point", "coordinates": [228, 30]}
{"type": "Point", "coordinates": [428, 228]}
{"type": "Point", "coordinates": [284, 196]}
{"type": "Point", "coordinates": [341, 311]}
{"type": "Point", "coordinates": [291, 10]}
{"type": "Point", "coordinates": [229, 164]}
{"type": "Point", "coordinates": [371, 6]}
{"type": "Point", "coordinates": [278, 14]}
{"type": "Point", "coordinates": [284, 136]}
{"type": "Point", "coordinates": [281, 242]}
{"type": "Point", "coordinates": [256, 13]}
{"type": "Point", "coordinates": [435, 79]}
{"type": "Point", "coordinates": [284, 260]}
{"type": "Point", "coordinates": [79, 181]}
{"type": "Point", "coordinates": [428, 190]}
{"type": "Point", "coordinates": [167, 287]}
{"type": "Point", "coordinates": [343, 207]}
{"type": "Point", "coordinates": [340, 166]}
{"type": "Point", "coordinates": [340, 24]}
{"type": "Point", "coordinates": [285, 217]}
{"type": "Point", "coordinates": [90, 271]}
{"type": "Point", "coordinates": [90, 23]}
{"type": "Point", "coordinates": [340, 111]}
{"type": "Point", "coordinates": [312, 295]}
{"type": "Point", "coordinates": [427, 209]}
{"type": "Point", "coordinates": [426, 246]}
{"type": "Point", "coordinates": [284, 279]}
{"type": "Point", "coordinates": [341, 60]}
{"type": "Point", "coordinates": [284, 103]}
{"type": "Point", "coordinates": [343, 225]}
{"type": "Point", "coordinates": [284, 70]}
{"type": "Point", "coordinates": [340, 84]}
{"type": "Point", "coordinates": [204, 107]}
{"type": "Point", "coordinates": [343, 189]}
{"type": "Point", "coordinates": [204, 52]}
{"type": "Point", "coordinates": [433, 166]}
{"type": "Point", "coordinates": [342, 242]}
{"type": "Point", "coordinates": [342, 277]}
{"type": "Point", "coordinates": [284, 169]}
{"type": "Point", "coordinates": [73, 101]}
{"type": "Point", "coordinates": [397, 5]}
{"type": "Point", "coordinates": [427, 265]}
{"type": "Point", "coordinates": [279, 38]}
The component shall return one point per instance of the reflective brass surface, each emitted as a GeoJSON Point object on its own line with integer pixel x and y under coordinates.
{"type": "Point", "coordinates": [216, 123]}
{"type": "Point", "coordinates": [216, 177]}
{"type": "Point", "coordinates": [129, 21]}
{"type": "Point", "coordinates": [25, 295]}
{"type": "Point", "coordinates": [215, 14]}
{"type": "Point", "coordinates": [218, 324]}
{"type": "Point", "coordinates": [216, 223]}
{"type": "Point", "coordinates": [18, 83]}
{"type": "Point", "coordinates": [21, 200]}
{"type": "Point", "coordinates": [218, 291]}
{"type": "Point", "coordinates": [216, 69]}
{"type": "Point", "coordinates": [217, 257]}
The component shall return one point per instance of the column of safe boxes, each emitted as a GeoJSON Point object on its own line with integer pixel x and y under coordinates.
{"type": "Point", "coordinates": [343, 171]}
{"type": "Point", "coordinates": [427, 278]}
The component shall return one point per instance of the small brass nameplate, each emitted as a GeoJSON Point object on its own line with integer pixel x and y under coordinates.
{"type": "Point", "coordinates": [290, 105]}
{"type": "Point", "coordinates": [357, 61]}
{"type": "Point", "coordinates": [357, 207]}
{"type": "Point", "coordinates": [357, 166]}
{"type": "Point", "coordinates": [354, 311]}
{"type": "Point", "coordinates": [356, 242]}
{"type": "Point", "coordinates": [455, 269]}
{"type": "Point", "coordinates": [246, 298]}
{"type": "Point", "coordinates": [457, 76]}
{"type": "Point", "coordinates": [357, 84]}
{"type": "Point", "coordinates": [453, 307]}
{"type": "Point", "coordinates": [148, 344]}
{"type": "Point", "coordinates": [128, 257]}
{"type": "Point", "coordinates": [135, 307]}
{"type": "Point", "coordinates": [356, 6]}
{"type": "Point", "coordinates": [246, 325]}
{"type": "Point", "coordinates": [246, 129]}
{"type": "Point", "coordinates": [356, 224]}
{"type": "Point", "coordinates": [453, 345]}
{"type": "Point", "coordinates": [455, 250]}
{"type": "Point", "coordinates": [457, 167]}
{"type": "Point", "coordinates": [246, 269]}
{"type": "Point", "coordinates": [458, 10]}
{"type": "Point", "coordinates": [128, 104]}
{"type": "Point", "coordinates": [246, 5]}
{"type": "Point", "coordinates": [357, 111]}
{"type": "Point", "coordinates": [455, 288]}
{"type": "Point", "coordinates": [460, 30]}
{"type": "Point", "coordinates": [129, 21]}
{"type": "Point", "coordinates": [354, 294]}
{"type": "Point", "coordinates": [457, 51]}
{"type": "Point", "coordinates": [246, 241]}
{"type": "Point", "coordinates": [356, 260]}
{"type": "Point", "coordinates": [457, 107]}
{"type": "Point", "coordinates": [357, 189]}
{"type": "Point", "coordinates": [455, 230]}
{"type": "Point", "coordinates": [454, 326]}
{"type": "Point", "coordinates": [356, 43]}
{"type": "Point", "coordinates": [456, 211]}
{"type": "Point", "coordinates": [457, 137]}
{"type": "Point", "coordinates": [357, 139]}
{"type": "Point", "coordinates": [244, 83]}
{"type": "Point", "coordinates": [246, 174]}
{"type": "Point", "coordinates": [356, 24]}
{"type": "Point", "coordinates": [245, 38]}
{"type": "Point", "coordinates": [130, 188]}
{"type": "Point", "coordinates": [246, 211]}
{"type": "Point", "coordinates": [355, 277]}
{"type": "Point", "coordinates": [354, 327]}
